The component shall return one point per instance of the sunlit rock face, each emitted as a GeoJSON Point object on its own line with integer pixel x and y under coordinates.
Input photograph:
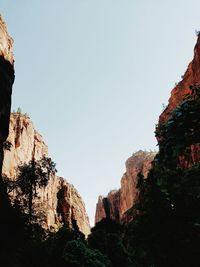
{"type": "Point", "coordinates": [57, 203]}
{"type": "Point", "coordinates": [191, 77]}
{"type": "Point", "coordinates": [118, 202]}
{"type": "Point", "coordinates": [26, 142]}
{"type": "Point", "coordinates": [178, 93]}
{"type": "Point", "coordinates": [6, 43]}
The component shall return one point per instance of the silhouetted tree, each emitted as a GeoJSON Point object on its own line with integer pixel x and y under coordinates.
{"type": "Point", "coordinates": [107, 237]}
{"type": "Point", "coordinates": [77, 254]}
{"type": "Point", "coordinates": [31, 176]}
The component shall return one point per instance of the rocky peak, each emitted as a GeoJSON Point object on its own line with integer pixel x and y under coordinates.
{"type": "Point", "coordinates": [6, 80]}
{"type": "Point", "coordinates": [6, 42]}
{"type": "Point", "coordinates": [191, 77]}
{"type": "Point", "coordinates": [59, 202]}
{"type": "Point", "coordinates": [179, 97]}
{"type": "Point", "coordinates": [118, 202]}
{"type": "Point", "coordinates": [25, 144]}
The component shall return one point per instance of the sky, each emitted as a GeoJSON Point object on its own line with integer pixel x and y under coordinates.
{"type": "Point", "coordinates": [93, 76]}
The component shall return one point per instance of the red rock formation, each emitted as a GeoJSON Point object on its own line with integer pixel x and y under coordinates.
{"type": "Point", "coordinates": [117, 203]}
{"type": "Point", "coordinates": [59, 202]}
{"type": "Point", "coordinates": [191, 77]}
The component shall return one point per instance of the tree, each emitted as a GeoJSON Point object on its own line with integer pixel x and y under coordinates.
{"type": "Point", "coordinates": [19, 110]}
{"type": "Point", "coordinates": [77, 254]}
{"type": "Point", "coordinates": [107, 237]}
{"type": "Point", "coordinates": [166, 229]}
{"type": "Point", "coordinates": [32, 176]}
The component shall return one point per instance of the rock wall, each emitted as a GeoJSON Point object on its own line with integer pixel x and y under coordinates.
{"type": "Point", "coordinates": [6, 82]}
{"type": "Point", "coordinates": [26, 144]}
{"type": "Point", "coordinates": [191, 77]}
{"type": "Point", "coordinates": [57, 203]}
{"type": "Point", "coordinates": [117, 203]}
{"type": "Point", "coordinates": [178, 96]}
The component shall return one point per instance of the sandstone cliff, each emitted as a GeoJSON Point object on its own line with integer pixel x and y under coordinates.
{"type": "Point", "coordinates": [57, 203]}
{"type": "Point", "coordinates": [179, 95]}
{"type": "Point", "coordinates": [6, 81]}
{"type": "Point", "coordinates": [191, 77]}
{"type": "Point", "coordinates": [117, 203]}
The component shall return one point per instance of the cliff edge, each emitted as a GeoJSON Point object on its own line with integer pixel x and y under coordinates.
{"type": "Point", "coordinates": [118, 202]}
{"type": "Point", "coordinates": [59, 202]}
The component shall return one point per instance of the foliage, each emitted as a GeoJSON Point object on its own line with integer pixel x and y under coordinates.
{"type": "Point", "coordinates": [106, 236]}
{"type": "Point", "coordinates": [19, 110]}
{"type": "Point", "coordinates": [7, 145]}
{"type": "Point", "coordinates": [77, 254]}
{"type": "Point", "coordinates": [30, 176]}
{"type": "Point", "coordinates": [166, 228]}
{"type": "Point", "coordinates": [181, 130]}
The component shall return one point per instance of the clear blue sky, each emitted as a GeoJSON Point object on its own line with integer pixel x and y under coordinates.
{"type": "Point", "coordinates": [93, 74]}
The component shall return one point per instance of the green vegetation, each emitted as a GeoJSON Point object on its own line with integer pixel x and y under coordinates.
{"type": "Point", "coordinates": [181, 130]}
{"type": "Point", "coordinates": [107, 237]}
{"type": "Point", "coordinates": [165, 230]}
{"type": "Point", "coordinates": [19, 112]}
{"type": "Point", "coordinates": [30, 177]}
{"type": "Point", "coordinates": [7, 145]}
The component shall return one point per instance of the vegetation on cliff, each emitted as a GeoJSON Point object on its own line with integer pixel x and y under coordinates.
{"type": "Point", "coordinates": [166, 227]}
{"type": "Point", "coordinates": [31, 176]}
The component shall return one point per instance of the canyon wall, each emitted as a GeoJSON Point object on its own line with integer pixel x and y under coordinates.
{"type": "Point", "coordinates": [191, 77]}
{"type": "Point", "coordinates": [183, 91]}
{"type": "Point", "coordinates": [6, 82]}
{"type": "Point", "coordinates": [117, 203]}
{"type": "Point", "coordinates": [58, 202]}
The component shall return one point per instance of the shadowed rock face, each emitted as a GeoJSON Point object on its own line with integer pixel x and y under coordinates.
{"type": "Point", "coordinates": [6, 82]}
{"type": "Point", "coordinates": [59, 202]}
{"type": "Point", "coordinates": [118, 202]}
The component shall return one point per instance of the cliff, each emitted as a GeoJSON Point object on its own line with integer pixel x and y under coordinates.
{"type": "Point", "coordinates": [58, 202]}
{"type": "Point", "coordinates": [6, 82]}
{"type": "Point", "coordinates": [191, 77]}
{"type": "Point", "coordinates": [117, 203]}
{"type": "Point", "coordinates": [181, 108]}
{"type": "Point", "coordinates": [166, 217]}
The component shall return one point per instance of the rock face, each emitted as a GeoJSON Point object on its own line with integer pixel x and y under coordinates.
{"type": "Point", "coordinates": [57, 203]}
{"type": "Point", "coordinates": [6, 82]}
{"type": "Point", "coordinates": [6, 43]}
{"type": "Point", "coordinates": [117, 203]}
{"type": "Point", "coordinates": [191, 77]}
{"type": "Point", "coordinates": [26, 142]}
